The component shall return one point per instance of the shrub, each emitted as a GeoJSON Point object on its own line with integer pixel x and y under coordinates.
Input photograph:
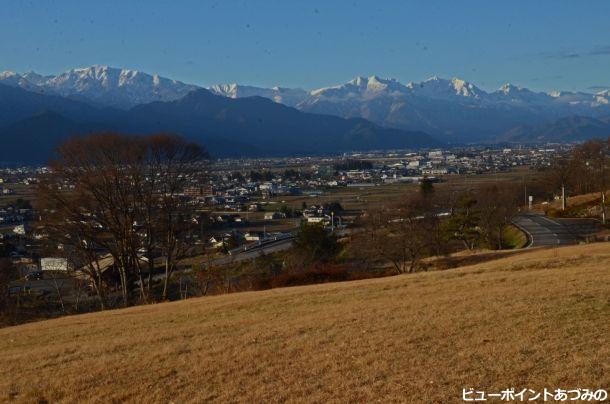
{"type": "Point", "coordinates": [320, 273]}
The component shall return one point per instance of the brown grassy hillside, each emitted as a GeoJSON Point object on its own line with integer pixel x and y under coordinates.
{"type": "Point", "coordinates": [537, 319]}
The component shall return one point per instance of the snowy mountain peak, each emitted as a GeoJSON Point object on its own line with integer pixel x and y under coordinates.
{"type": "Point", "coordinates": [95, 72]}
{"type": "Point", "coordinates": [231, 90]}
{"type": "Point", "coordinates": [377, 83]}
{"type": "Point", "coordinates": [510, 88]}
{"type": "Point", "coordinates": [16, 80]}
{"type": "Point", "coordinates": [7, 74]}
{"type": "Point", "coordinates": [436, 87]}
{"type": "Point", "coordinates": [520, 95]}
{"type": "Point", "coordinates": [287, 96]}
{"type": "Point", "coordinates": [103, 85]}
{"type": "Point", "coordinates": [95, 75]}
{"type": "Point", "coordinates": [368, 87]}
{"type": "Point", "coordinates": [358, 82]}
{"type": "Point", "coordinates": [602, 98]}
{"type": "Point", "coordinates": [35, 78]}
{"type": "Point", "coordinates": [374, 80]}
{"type": "Point", "coordinates": [465, 88]}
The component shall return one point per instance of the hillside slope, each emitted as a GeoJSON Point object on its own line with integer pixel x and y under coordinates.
{"type": "Point", "coordinates": [35, 139]}
{"type": "Point", "coordinates": [532, 320]}
{"type": "Point", "coordinates": [252, 126]}
{"type": "Point", "coordinates": [17, 104]}
{"type": "Point", "coordinates": [568, 129]}
{"type": "Point", "coordinates": [274, 128]}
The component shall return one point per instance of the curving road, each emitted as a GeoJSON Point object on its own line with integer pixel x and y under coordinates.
{"type": "Point", "coordinates": [545, 232]}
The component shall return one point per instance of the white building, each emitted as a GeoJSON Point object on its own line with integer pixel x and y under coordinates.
{"type": "Point", "coordinates": [54, 264]}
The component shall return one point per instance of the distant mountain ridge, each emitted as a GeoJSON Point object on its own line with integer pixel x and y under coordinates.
{"type": "Point", "coordinates": [363, 113]}
{"type": "Point", "coordinates": [33, 124]}
{"type": "Point", "coordinates": [268, 126]}
{"type": "Point", "coordinates": [287, 96]}
{"type": "Point", "coordinates": [17, 104]}
{"type": "Point", "coordinates": [455, 110]}
{"type": "Point", "coordinates": [569, 129]}
{"type": "Point", "coordinates": [34, 139]}
{"type": "Point", "coordinates": [434, 88]}
{"type": "Point", "coordinates": [103, 86]}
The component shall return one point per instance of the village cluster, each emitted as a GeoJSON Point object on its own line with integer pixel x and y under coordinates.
{"type": "Point", "coordinates": [244, 202]}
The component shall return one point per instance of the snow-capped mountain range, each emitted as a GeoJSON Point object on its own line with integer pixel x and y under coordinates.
{"type": "Point", "coordinates": [434, 88]}
{"type": "Point", "coordinates": [451, 109]}
{"type": "Point", "coordinates": [102, 85]}
{"type": "Point", "coordinates": [287, 96]}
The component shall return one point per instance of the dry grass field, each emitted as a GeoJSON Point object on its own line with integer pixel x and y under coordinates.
{"type": "Point", "coordinates": [571, 201]}
{"type": "Point", "coordinates": [530, 320]}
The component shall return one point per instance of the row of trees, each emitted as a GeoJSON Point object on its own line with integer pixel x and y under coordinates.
{"type": "Point", "coordinates": [353, 164]}
{"type": "Point", "coordinates": [585, 170]}
{"type": "Point", "coordinates": [114, 201]}
{"type": "Point", "coordinates": [428, 224]}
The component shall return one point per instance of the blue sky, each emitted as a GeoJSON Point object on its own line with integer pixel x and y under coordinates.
{"type": "Point", "coordinates": [543, 45]}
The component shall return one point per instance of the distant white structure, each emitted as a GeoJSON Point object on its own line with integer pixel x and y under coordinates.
{"type": "Point", "coordinates": [434, 171]}
{"type": "Point", "coordinates": [54, 264]}
{"type": "Point", "coordinates": [253, 237]}
{"type": "Point", "coordinates": [273, 215]}
{"type": "Point", "coordinates": [19, 230]}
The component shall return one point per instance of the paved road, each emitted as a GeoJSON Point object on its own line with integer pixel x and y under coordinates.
{"type": "Point", "coordinates": [545, 232]}
{"type": "Point", "coordinates": [268, 248]}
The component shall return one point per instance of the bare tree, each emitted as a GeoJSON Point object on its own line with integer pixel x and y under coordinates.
{"type": "Point", "coordinates": [8, 274]}
{"type": "Point", "coordinates": [90, 187]}
{"type": "Point", "coordinates": [58, 286]}
{"type": "Point", "coordinates": [103, 188]}
{"type": "Point", "coordinates": [66, 227]}
{"type": "Point", "coordinates": [176, 163]}
{"type": "Point", "coordinates": [561, 175]}
{"type": "Point", "coordinates": [594, 157]}
{"type": "Point", "coordinates": [401, 235]}
{"type": "Point", "coordinates": [497, 206]}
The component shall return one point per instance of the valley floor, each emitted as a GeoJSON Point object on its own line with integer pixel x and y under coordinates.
{"type": "Point", "coordinates": [530, 320]}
